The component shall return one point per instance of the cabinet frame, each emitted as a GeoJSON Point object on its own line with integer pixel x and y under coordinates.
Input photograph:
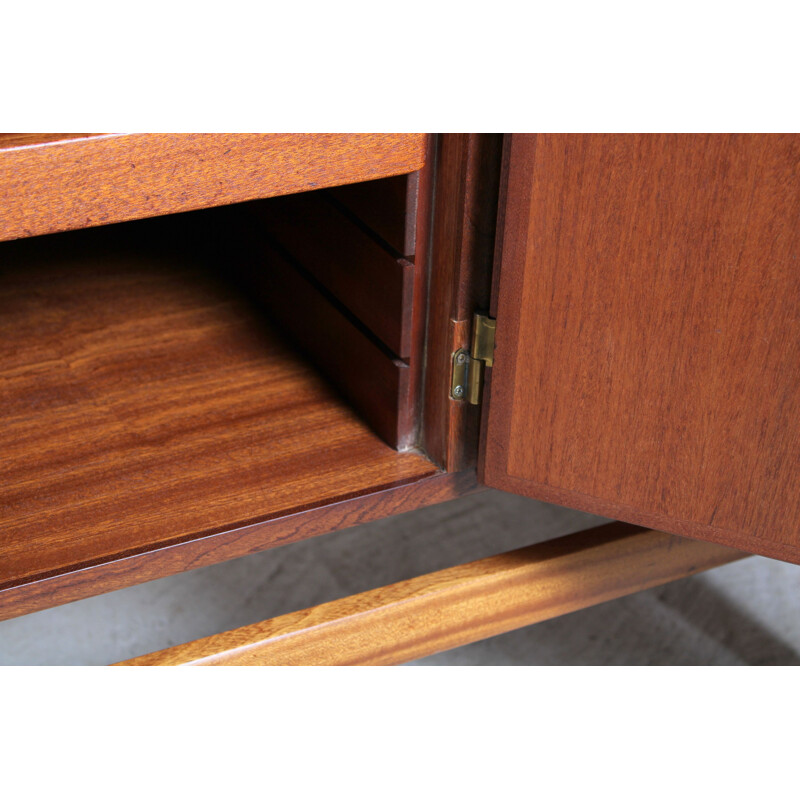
{"type": "Point", "coordinates": [466, 204]}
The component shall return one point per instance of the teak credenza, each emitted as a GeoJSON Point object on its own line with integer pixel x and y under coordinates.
{"type": "Point", "coordinates": [217, 344]}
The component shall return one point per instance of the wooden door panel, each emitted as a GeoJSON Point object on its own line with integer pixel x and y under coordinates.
{"type": "Point", "coordinates": [648, 336]}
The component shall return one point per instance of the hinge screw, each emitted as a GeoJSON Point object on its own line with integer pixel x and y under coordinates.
{"type": "Point", "coordinates": [458, 391]}
{"type": "Point", "coordinates": [460, 359]}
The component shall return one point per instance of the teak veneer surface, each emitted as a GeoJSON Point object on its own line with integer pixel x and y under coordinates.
{"type": "Point", "coordinates": [131, 568]}
{"type": "Point", "coordinates": [146, 402]}
{"type": "Point", "coordinates": [463, 604]}
{"type": "Point", "coordinates": [648, 334]}
{"type": "Point", "coordinates": [48, 186]}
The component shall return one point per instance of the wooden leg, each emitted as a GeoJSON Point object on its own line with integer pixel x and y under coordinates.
{"type": "Point", "coordinates": [462, 604]}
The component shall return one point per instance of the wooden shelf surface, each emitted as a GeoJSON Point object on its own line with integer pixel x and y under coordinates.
{"type": "Point", "coordinates": [146, 402]}
{"type": "Point", "coordinates": [60, 182]}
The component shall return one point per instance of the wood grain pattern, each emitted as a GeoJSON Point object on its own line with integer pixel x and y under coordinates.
{"type": "Point", "coordinates": [459, 605]}
{"type": "Point", "coordinates": [9, 140]}
{"type": "Point", "coordinates": [388, 207]}
{"type": "Point", "coordinates": [464, 219]}
{"type": "Point", "coordinates": [372, 283]}
{"type": "Point", "coordinates": [648, 337]}
{"type": "Point", "coordinates": [146, 403]}
{"type": "Point", "coordinates": [95, 180]}
{"type": "Point", "coordinates": [130, 568]}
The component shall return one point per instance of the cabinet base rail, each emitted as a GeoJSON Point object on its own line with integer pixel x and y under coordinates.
{"type": "Point", "coordinates": [446, 609]}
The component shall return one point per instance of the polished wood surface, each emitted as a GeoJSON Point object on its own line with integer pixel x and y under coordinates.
{"type": "Point", "coordinates": [147, 403]}
{"type": "Point", "coordinates": [648, 336]}
{"type": "Point", "coordinates": [129, 569]}
{"type": "Point", "coordinates": [463, 237]}
{"type": "Point", "coordinates": [9, 140]}
{"type": "Point", "coordinates": [388, 207]}
{"type": "Point", "coordinates": [423, 267]}
{"type": "Point", "coordinates": [372, 283]}
{"type": "Point", "coordinates": [463, 604]}
{"type": "Point", "coordinates": [80, 182]}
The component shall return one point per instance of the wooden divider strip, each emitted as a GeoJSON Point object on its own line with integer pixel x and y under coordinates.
{"type": "Point", "coordinates": [463, 604]}
{"type": "Point", "coordinates": [388, 207]}
{"type": "Point", "coordinates": [374, 285]}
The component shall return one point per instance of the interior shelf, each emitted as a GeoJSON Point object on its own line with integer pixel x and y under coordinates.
{"type": "Point", "coordinates": [147, 401]}
{"type": "Point", "coordinates": [61, 182]}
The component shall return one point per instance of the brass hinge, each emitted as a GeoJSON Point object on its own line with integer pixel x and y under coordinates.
{"type": "Point", "coordinates": [466, 381]}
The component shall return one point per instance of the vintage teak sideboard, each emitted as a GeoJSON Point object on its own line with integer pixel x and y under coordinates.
{"type": "Point", "coordinates": [217, 344]}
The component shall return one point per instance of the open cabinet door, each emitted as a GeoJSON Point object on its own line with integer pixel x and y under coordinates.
{"type": "Point", "coordinates": [647, 360]}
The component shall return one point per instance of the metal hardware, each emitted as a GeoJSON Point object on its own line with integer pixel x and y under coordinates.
{"type": "Point", "coordinates": [460, 372]}
{"type": "Point", "coordinates": [466, 381]}
{"type": "Point", "coordinates": [483, 338]}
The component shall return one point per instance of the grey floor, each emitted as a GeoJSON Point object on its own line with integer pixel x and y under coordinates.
{"type": "Point", "coordinates": [742, 613]}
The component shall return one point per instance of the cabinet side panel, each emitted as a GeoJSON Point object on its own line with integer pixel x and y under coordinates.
{"type": "Point", "coordinates": [648, 335]}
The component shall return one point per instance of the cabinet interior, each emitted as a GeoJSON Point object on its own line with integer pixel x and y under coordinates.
{"type": "Point", "coordinates": [178, 377]}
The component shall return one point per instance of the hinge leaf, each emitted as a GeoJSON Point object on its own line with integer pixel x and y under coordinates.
{"type": "Point", "coordinates": [466, 381]}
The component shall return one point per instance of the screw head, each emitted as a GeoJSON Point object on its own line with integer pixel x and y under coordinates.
{"type": "Point", "coordinates": [458, 391]}
{"type": "Point", "coordinates": [460, 358]}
